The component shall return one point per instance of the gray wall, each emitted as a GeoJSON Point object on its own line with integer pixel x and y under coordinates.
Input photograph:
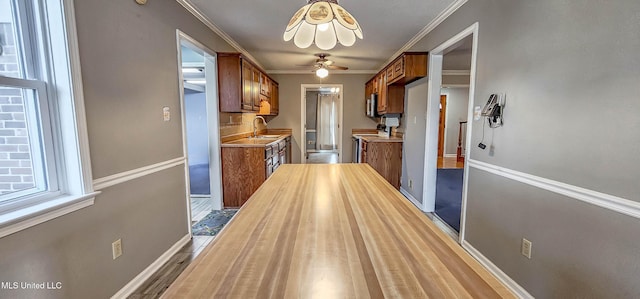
{"type": "Point", "coordinates": [197, 130]}
{"type": "Point", "coordinates": [455, 80]}
{"type": "Point", "coordinates": [353, 110]}
{"type": "Point", "coordinates": [414, 124]}
{"type": "Point", "coordinates": [570, 70]}
{"type": "Point", "coordinates": [312, 115]}
{"type": "Point", "coordinates": [129, 71]}
{"type": "Point", "coordinates": [457, 104]}
{"type": "Point", "coordinates": [312, 109]}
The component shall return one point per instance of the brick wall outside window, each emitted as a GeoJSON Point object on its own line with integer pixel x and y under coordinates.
{"type": "Point", "coordinates": [16, 169]}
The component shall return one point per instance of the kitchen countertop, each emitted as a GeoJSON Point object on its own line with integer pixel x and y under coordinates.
{"type": "Point", "coordinates": [376, 138]}
{"type": "Point", "coordinates": [254, 142]}
{"type": "Point", "coordinates": [333, 231]}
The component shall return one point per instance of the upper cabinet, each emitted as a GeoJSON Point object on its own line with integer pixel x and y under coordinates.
{"type": "Point", "coordinates": [389, 83]}
{"type": "Point", "coordinates": [408, 67]}
{"type": "Point", "coordinates": [243, 87]}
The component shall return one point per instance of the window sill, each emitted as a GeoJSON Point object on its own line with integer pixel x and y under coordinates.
{"type": "Point", "coordinates": [16, 221]}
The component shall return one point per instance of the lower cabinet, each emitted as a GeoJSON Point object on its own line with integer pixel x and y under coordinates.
{"type": "Point", "coordinates": [244, 169]}
{"type": "Point", "coordinates": [385, 158]}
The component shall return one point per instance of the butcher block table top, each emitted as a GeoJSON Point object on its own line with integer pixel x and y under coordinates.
{"type": "Point", "coordinates": [333, 231]}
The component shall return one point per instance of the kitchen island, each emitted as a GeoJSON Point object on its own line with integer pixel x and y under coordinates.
{"type": "Point", "coordinates": [333, 231]}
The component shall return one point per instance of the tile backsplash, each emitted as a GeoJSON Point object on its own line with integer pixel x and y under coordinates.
{"type": "Point", "coordinates": [238, 123]}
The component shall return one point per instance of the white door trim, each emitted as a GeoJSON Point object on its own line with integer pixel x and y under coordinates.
{"type": "Point", "coordinates": [211, 95]}
{"type": "Point", "coordinates": [303, 118]}
{"type": "Point", "coordinates": [431, 138]}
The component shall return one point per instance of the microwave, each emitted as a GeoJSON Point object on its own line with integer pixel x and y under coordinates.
{"type": "Point", "coordinates": [372, 105]}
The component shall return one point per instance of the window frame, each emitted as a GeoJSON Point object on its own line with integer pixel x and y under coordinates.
{"type": "Point", "coordinates": [54, 71]}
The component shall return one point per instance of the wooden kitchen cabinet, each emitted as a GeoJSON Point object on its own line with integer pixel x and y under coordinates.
{"type": "Point", "coordinates": [274, 100]}
{"type": "Point", "coordinates": [241, 84]}
{"type": "Point", "coordinates": [255, 89]}
{"type": "Point", "coordinates": [408, 67]}
{"type": "Point", "coordinates": [385, 158]}
{"type": "Point", "coordinates": [265, 85]}
{"type": "Point", "coordinates": [390, 82]}
{"type": "Point", "coordinates": [244, 169]}
{"type": "Point", "coordinates": [363, 152]}
{"type": "Point", "coordinates": [247, 87]}
{"type": "Point", "coordinates": [368, 89]}
{"type": "Point", "coordinates": [243, 172]}
{"type": "Point", "coordinates": [382, 92]}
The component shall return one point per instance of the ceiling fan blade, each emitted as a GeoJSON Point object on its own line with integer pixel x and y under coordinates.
{"type": "Point", "coordinates": [336, 67]}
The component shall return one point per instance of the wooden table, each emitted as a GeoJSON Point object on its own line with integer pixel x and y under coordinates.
{"type": "Point", "coordinates": [333, 231]}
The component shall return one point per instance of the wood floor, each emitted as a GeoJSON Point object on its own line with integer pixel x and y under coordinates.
{"type": "Point", "coordinates": [200, 207]}
{"type": "Point", "coordinates": [160, 281]}
{"type": "Point", "coordinates": [322, 158]}
{"type": "Point", "coordinates": [449, 162]}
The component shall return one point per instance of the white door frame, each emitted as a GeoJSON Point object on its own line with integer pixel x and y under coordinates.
{"type": "Point", "coordinates": [213, 124]}
{"type": "Point", "coordinates": [431, 138]}
{"type": "Point", "coordinates": [303, 118]}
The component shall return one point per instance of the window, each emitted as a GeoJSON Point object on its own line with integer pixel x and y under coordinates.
{"type": "Point", "coordinates": [44, 163]}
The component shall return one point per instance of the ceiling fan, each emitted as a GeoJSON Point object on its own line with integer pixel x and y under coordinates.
{"type": "Point", "coordinates": [322, 65]}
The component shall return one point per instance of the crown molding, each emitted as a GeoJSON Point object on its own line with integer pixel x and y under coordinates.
{"type": "Point", "coordinates": [207, 22]}
{"type": "Point", "coordinates": [346, 72]}
{"type": "Point", "coordinates": [422, 33]}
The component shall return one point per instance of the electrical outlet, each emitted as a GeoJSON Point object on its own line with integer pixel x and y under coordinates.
{"type": "Point", "coordinates": [116, 248]}
{"type": "Point", "coordinates": [410, 184]}
{"type": "Point", "coordinates": [526, 248]}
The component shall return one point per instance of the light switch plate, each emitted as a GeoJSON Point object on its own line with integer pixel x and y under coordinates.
{"type": "Point", "coordinates": [116, 248]}
{"type": "Point", "coordinates": [166, 113]}
{"type": "Point", "coordinates": [526, 248]}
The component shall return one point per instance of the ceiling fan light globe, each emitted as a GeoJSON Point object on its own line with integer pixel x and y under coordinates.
{"type": "Point", "coordinates": [322, 72]}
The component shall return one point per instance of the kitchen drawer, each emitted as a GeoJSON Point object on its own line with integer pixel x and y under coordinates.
{"type": "Point", "coordinates": [398, 68]}
{"type": "Point", "coordinates": [268, 152]}
{"type": "Point", "coordinates": [282, 144]}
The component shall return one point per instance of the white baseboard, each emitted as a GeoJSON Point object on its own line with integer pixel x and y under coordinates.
{"type": "Point", "coordinates": [136, 282]}
{"type": "Point", "coordinates": [503, 277]}
{"type": "Point", "coordinates": [450, 155]}
{"type": "Point", "coordinates": [445, 227]}
{"type": "Point", "coordinates": [410, 197]}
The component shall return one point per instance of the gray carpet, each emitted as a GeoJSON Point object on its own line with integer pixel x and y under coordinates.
{"type": "Point", "coordinates": [449, 196]}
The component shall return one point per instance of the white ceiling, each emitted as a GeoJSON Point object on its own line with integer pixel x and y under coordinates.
{"type": "Point", "coordinates": [258, 25]}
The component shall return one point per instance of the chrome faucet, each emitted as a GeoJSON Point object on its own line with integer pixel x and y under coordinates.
{"type": "Point", "coordinates": [255, 128]}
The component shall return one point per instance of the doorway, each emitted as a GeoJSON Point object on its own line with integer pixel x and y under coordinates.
{"type": "Point", "coordinates": [449, 107]}
{"type": "Point", "coordinates": [321, 119]}
{"type": "Point", "coordinates": [200, 127]}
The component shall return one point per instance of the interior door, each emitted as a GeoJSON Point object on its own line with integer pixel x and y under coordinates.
{"type": "Point", "coordinates": [441, 132]}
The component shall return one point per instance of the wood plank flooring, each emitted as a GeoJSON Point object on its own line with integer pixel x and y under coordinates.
{"type": "Point", "coordinates": [200, 207]}
{"type": "Point", "coordinates": [160, 281]}
{"type": "Point", "coordinates": [322, 158]}
{"type": "Point", "coordinates": [449, 162]}
{"type": "Point", "coordinates": [333, 231]}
